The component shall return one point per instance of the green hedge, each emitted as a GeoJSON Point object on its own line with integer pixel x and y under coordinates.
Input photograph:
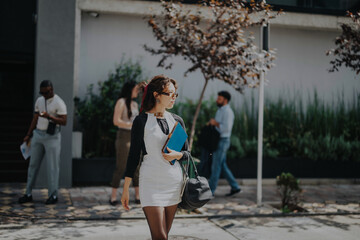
{"type": "Point", "coordinates": [314, 130]}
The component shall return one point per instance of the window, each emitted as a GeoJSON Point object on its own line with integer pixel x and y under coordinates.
{"type": "Point", "coordinates": [333, 7]}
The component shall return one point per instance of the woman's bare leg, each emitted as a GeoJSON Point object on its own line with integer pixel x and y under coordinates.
{"type": "Point", "coordinates": [137, 193]}
{"type": "Point", "coordinates": [169, 216]}
{"type": "Point", "coordinates": [113, 194]}
{"type": "Point", "coordinates": [155, 217]}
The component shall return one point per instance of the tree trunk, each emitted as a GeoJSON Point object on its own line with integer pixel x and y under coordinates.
{"type": "Point", "coordinates": [192, 132]}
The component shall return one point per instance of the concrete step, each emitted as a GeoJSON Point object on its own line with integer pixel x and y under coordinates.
{"type": "Point", "coordinates": [12, 154]}
{"type": "Point", "coordinates": [13, 175]}
{"type": "Point", "coordinates": [16, 114]}
{"type": "Point", "coordinates": [12, 165]}
{"type": "Point", "coordinates": [12, 137]}
{"type": "Point", "coordinates": [13, 127]}
{"type": "Point", "coordinates": [14, 121]}
{"type": "Point", "coordinates": [7, 145]}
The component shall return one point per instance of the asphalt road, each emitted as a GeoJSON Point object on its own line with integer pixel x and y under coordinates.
{"type": "Point", "coordinates": [345, 227]}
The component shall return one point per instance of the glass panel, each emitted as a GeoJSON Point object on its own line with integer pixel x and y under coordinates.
{"type": "Point", "coordinates": [292, 3]}
{"type": "Point", "coordinates": [317, 4]}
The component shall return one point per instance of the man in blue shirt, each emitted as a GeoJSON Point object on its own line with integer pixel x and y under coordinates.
{"type": "Point", "coordinates": [224, 121]}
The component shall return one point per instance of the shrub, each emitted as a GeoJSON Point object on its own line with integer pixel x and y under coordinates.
{"type": "Point", "coordinates": [327, 148]}
{"type": "Point", "coordinates": [289, 190]}
{"type": "Point", "coordinates": [95, 111]}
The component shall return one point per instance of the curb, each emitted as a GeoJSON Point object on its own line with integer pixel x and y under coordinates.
{"type": "Point", "coordinates": [208, 216]}
{"type": "Point", "coordinates": [303, 181]}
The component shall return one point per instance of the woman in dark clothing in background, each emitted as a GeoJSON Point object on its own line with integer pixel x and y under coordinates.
{"type": "Point", "coordinates": [125, 111]}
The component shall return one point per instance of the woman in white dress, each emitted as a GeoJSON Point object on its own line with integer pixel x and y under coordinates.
{"type": "Point", "coordinates": [159, 182]}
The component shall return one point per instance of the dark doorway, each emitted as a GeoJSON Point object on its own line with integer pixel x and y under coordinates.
{"type": "Point", "coordinates": [17, 57]}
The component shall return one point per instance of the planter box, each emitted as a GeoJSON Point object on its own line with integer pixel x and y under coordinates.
{"type": "Point", "coordinates": [99, 171]}
{"type": "Point", "coordinates": [77, 144]}
{"type": "Point", "coordinates": [301, 168]}
{"type": "Point", "coordinates": [93, 171]}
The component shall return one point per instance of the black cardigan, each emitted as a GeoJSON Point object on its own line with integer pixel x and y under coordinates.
{"type": "Point", "coordinates": [137, 143]}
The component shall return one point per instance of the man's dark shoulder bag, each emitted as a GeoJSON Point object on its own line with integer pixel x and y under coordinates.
{"type": "Point", "coordinates": [209, 138]}
{"type": "Point", "coordinates": [52, 126]}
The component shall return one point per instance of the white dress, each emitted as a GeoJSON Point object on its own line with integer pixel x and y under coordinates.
{"type": "Point", "coordinates": [159, 181]}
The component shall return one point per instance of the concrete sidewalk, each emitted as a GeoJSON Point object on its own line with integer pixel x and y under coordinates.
{"type": "Point", "coordinates": [91, 203]}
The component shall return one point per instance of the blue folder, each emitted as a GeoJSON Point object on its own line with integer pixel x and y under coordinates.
{"type": "Point", "coordinates": [176, 140]}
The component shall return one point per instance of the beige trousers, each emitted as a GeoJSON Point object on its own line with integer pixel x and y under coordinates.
{"type": "Point", "coordinates": [122, 147]}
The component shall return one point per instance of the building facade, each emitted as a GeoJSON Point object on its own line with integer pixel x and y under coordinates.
{"type": "Point", "coordinates": [78, 42]}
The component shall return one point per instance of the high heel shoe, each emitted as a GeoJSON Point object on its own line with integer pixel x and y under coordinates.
{"type": "Point", "coordinates": [113, 203]}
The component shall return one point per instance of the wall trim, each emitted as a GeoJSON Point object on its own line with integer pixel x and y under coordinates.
{"type": "Point", "coordinates": [142, 8]}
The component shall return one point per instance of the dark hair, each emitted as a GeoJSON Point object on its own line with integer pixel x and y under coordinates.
{"type": "Point", "coordinates": [126, 93]}
{"type": "Point", "coordinates": [46, 83]}
{"type": "Point", "coordinates": [225, 94]}
{"type": "Point", "coordinates": [157, 84]}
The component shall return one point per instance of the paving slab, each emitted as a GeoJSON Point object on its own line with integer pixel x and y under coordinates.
{"type": "Point", "coordinates": [329, 227]}
{"type": "Point", "coordinates": [189, 229]}
{"type": "Point", "coordinates": [91, 203]}
{"type": "Point", "coordinates": [295, 228]}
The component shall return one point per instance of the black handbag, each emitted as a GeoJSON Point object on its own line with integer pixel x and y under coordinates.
{"type": "Point", "coordinates": [196, 191]}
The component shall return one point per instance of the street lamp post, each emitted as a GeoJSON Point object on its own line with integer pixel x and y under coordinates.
{"type": "Point", "coordinates": [264, 37]}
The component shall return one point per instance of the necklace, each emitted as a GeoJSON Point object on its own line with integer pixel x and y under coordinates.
{"type": "Point", "coordinates": [159, 114]}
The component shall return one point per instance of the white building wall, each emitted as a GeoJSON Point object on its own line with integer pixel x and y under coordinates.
{"type": "Point", "coordinates": [301, 63]}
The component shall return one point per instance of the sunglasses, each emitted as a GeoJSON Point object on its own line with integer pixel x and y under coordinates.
{"type": "Point", "coordinates": [44, 93]}
{"type": "Point", "coordinates": [172, 95]}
